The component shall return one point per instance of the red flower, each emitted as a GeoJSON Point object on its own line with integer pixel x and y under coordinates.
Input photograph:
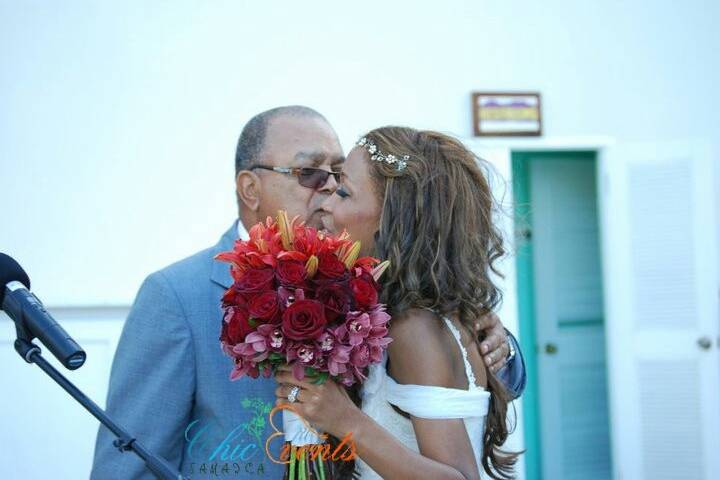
{"type": "Point", "coordinates": [235, 325]}
{"type": "Point", "coordinates": [337, 299]}
{"type": "Point", "coordinates": [255, 280]}
{"type": "Point", "coordinates": [304, 320]}
{"type": "Point", "coordinates": [265, 306]}
{"type": "Point", "coordinates": [307, 240]}
{"type": "Point", "coordinates": [291, 273]}
{"type": "Point", "coordinates": [366, 263]}
{"type": "Point", "coordinates": [233, 297]}
{"type": "Point", "coordinates": [326, 321]}
{"type": "Point", "coordinates": [365, 290]}
{"type": "Point", "coordinates": [330, 266]}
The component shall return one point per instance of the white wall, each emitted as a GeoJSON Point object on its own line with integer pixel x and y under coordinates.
{"type": "Point", "coordinates": [46, 433]}
{"type": "Point", "coordinates": [119, 121]}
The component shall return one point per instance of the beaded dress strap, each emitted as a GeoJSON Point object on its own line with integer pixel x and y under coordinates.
{"type": "Point", "coordinates": [468, 368]}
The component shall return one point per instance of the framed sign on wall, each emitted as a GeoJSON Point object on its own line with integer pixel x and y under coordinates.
{"type": "Point", "coordinates": [506, 114]}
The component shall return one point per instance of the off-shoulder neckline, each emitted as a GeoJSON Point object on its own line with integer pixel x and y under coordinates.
{"type": "Point", "coordinates": [475, 390]}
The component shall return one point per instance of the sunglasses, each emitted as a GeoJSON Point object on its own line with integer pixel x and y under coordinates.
{"type": "Point", "coordinates": [307, 176]}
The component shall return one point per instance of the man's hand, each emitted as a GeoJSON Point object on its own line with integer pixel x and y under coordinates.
{"type": "Point", "coordinates": [494, 348]}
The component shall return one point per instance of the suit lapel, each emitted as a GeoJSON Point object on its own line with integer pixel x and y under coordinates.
{"type": "Point", "coordinates": [220, 270]}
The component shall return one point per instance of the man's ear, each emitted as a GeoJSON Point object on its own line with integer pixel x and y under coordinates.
{"type": "Point", "coordinates": [248, 187]}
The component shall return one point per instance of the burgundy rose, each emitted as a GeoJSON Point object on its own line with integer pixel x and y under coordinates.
{"type": "Point", "coordinates": [233, 297]}
{"type": "Point", "coordinates": [330, 266]}
{"type": "Point", "coordinates": [255, 280]}
{"type": "Point", "coordinates": [337, 299]}
{"type": "Point", "coordinates": [235, 325]}
{"type": "Point", "coordinates": [365, 290]}
{"type": "Point", "coordinates": [265, 307]}
{"type": "Point", "coordinates": [291, 273]}
{"type": "Point", "coordinates": [304, 320]}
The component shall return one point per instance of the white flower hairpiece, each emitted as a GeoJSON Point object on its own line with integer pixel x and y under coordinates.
{"type": "Point", "coordinates": [377, 156]}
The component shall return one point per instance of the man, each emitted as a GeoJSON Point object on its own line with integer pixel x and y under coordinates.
{"type": "Point", "coordinates": [169, 383]}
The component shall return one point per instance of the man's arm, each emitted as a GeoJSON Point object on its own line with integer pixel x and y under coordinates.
{"type": "Point", "coordinates": [152, 384]}
{"type": "Point", "coordinates": [496, 352]}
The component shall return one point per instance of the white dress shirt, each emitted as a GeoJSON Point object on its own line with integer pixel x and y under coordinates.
{"type": "Point", "coordinates": [242, 233]}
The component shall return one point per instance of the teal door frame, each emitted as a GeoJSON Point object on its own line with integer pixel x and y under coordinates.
{"type": "Point", "coordinates": [526, 296]}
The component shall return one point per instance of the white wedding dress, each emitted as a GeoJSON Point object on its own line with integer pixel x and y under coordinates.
{"type": "Point", "coordinates": [379, 391]}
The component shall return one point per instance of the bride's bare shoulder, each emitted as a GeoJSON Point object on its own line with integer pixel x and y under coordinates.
{"type": "Point", "coordinates": [419, 352]}
{"type": "Point", "coordinates": [413, 319]}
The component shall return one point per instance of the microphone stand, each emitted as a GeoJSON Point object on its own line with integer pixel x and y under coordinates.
{"type": "Point", "coordinates": [31, 353]}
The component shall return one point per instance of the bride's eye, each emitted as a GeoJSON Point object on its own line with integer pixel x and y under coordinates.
{"type": "Point", "coordinates": [341, 192]}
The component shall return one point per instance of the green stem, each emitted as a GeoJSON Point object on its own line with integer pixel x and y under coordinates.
{"type": "Point", "coordinates": [292, 463]}
{"type": "Point", "coordinates": [322, 469]}
{"type": "Point", "coordinates": [315, 473]}
{"type": "Point", "coordinates": [301, 475]}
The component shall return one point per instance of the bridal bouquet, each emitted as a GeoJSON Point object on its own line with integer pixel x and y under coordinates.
{"type": "Point", "coordinates": [303, 298]}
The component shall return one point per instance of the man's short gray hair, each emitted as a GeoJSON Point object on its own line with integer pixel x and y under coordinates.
{"type": "Point", "coordinates": [252, 139]}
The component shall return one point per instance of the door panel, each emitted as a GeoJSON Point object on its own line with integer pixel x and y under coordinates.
{"type": "Point", "coordinates": [572, 381]}
{"type": "Point", "coordinates": [660, 267]}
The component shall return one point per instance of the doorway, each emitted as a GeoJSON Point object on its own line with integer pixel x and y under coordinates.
{"type": "Point", "coordinates": [561, 315]}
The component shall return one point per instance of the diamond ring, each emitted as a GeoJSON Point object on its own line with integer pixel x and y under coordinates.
{"type": "Point", "coordinates": [292, 398]}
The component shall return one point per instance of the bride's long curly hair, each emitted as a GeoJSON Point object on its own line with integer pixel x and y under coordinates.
{"type": "Point", "coordinates": [437, 229]}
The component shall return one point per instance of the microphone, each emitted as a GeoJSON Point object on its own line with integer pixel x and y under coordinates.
{"type": "Point", "coordinates": [30, 317]}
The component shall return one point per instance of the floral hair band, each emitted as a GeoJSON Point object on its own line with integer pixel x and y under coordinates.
{"type": "Point", "coordinates": [378, 156]}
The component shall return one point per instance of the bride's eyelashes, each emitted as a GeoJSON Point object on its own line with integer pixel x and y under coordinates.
{"type": "Point", "coordinates": [341, 192]}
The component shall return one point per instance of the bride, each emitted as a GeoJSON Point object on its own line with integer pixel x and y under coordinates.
{"type": "Point", "coordinates": [431, 409]}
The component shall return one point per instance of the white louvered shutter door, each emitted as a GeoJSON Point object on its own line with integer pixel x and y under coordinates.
{"type": "Point", "coordinates": [660, 272]}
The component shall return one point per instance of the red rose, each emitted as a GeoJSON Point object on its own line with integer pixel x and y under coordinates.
{"type": "Point", "coordinates": [235, 325]}
{"type": "Point", "coordinates": [330, 266]}
{"type": "Point", "coordinates": [255, 280]}
{"type": "Point", "coordinates": [265, 306]}
{"type": "Point", "coordinates": [304, 320]}
{"type": "Point", "coordinates": [365, 290]}
{"type": "Point", "coordinates": [291, 273]}
{"type": "Point", "coordinates": [233, 297]}
{"type": "Point", "coordinates": [337, 299]}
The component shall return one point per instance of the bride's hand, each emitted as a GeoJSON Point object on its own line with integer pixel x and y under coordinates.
{"type": "Point", "coordinates": [327, 406]}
